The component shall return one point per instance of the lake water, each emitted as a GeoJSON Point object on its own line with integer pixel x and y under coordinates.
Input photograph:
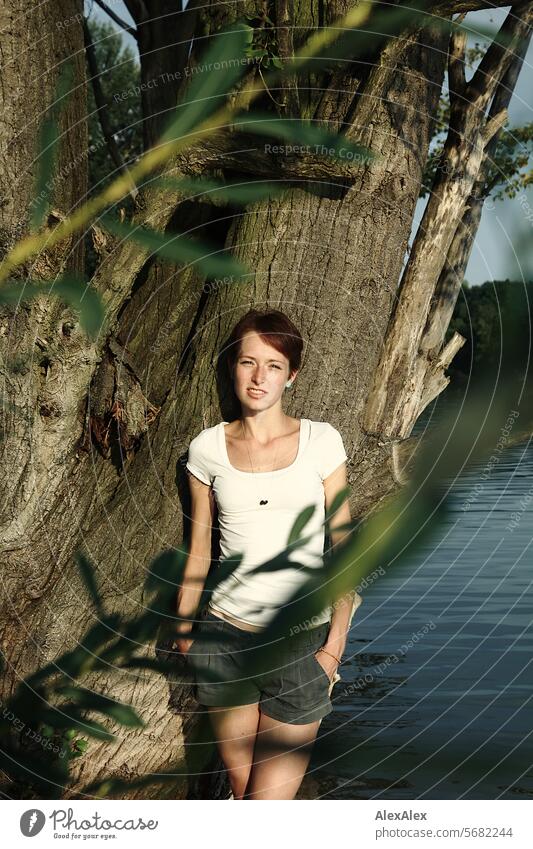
{"type": "Point", "coordinates": [450, 714]}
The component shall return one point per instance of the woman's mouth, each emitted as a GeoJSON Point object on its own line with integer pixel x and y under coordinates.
{"type": "Point", "coordinates": [256, 393]}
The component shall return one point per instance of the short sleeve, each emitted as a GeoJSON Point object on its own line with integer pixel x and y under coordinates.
{"type": "Point", "coordinates": [198, 460]}
{"type": "Point", "coordinates": [331, 453]}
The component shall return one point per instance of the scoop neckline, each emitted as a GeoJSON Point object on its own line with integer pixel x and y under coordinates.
{"type": "Point", "coordinates": [304, 423]}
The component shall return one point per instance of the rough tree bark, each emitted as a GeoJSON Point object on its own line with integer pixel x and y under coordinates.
{"type": "Point", "coordinates": [96, 440]}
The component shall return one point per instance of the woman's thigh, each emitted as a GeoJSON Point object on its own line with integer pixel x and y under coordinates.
{"type": "Point", "coordinates": [281, 756]}
{"type": "Point", "coordinates": [235, 730]}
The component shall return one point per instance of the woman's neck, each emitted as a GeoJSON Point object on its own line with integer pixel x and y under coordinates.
{"type": "Point", "coordinates": [263, 429]}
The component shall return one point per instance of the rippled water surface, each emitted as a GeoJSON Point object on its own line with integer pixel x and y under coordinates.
{"type": "Point", "coordinates": [449, 714]}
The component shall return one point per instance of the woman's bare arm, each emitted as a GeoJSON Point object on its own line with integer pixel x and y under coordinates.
{"type": "Point", "coordinates": [203, 509]}
{"type": "Point", "coordinates": [342, 607]}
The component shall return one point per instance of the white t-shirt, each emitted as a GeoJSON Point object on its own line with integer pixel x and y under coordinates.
{"type": "Point", "coordinates": [260, 531]}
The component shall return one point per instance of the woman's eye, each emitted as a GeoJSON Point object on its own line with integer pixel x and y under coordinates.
{"type": "Point", "coordinates": [249, 363]}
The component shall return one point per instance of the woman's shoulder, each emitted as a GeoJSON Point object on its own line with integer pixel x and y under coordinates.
{"type": "Point", "coordinates": [329, 451]}
{"type": "Point", "coordinates": [206, 436]}
{"type": "Point", "coordinates": [202, 454]}
{"type": "Point", "coordinates": [318, 429]}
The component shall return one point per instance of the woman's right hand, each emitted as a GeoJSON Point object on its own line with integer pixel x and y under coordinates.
{"type": "Point", "coordinates": [182, 643]}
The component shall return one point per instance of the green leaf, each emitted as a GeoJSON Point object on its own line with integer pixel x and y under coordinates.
{"type": "Point", "coordinates": [301, 521]}
{"type": "Point", "coordinates": [73, 662]}
{"type": "Point", "coordinates": [226, 566]}
{"type": "Point", "coordinates": [255, 53]}
{"type": "Point", "coordinates": [166, 571]}
{"type": "Point", "coordinates": [100, 633]}
{"type": "Point", "coordinates": [337, 502]}
{"type": "Point", "coordinates": [165, 667]}
{"type": "Point", "coordinates": [63, 718]}
{"type": "Point", "coordinates": [73, 290]}
{"type": "Point", "coordinates": [234, 193]}
{"type": "Point", "coordinates": [218, 71]}
{"type": "Point", "coordinates": [177, 247]}
{"type": "Point", "coordinates": [88, 700]}
{"type": "Point", "coordinates": [297, 131]}
{"type": "Point", "coordinates": [48, 145]}
{"type": "Point", "coordinates": [87, 572]}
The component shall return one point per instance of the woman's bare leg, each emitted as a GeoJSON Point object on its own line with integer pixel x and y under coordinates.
{"type": "Point", "coordinates": [235, 730]}
{"type": "Point", "coordinates": [281, 755]}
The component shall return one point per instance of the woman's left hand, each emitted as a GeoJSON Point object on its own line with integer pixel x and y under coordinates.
{"type": "Point", "coordinates": [328, 664]}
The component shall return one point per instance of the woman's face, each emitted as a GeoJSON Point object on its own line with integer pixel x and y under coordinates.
{"type": "Point", "coordinates": [259, 367]}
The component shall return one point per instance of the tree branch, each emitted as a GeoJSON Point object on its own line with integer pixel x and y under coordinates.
{"type": "Point", "coordinates": [493, 126]}
{"type": "Point", "coordinates": [101, 104]}
{"type": "Point", "coordinates": [114, 17]}
{"type": "Point", "coordinates": [453, 7]}
{"type": "Point", "coordinates": [499, 56]}
{"type": "Point", "coordinates": [452, 275]}
{"type": "Point", "coordinates": [456, 63]}
{"type": "Point", "coordinates": [138, 10]}
{"type": "Point", "coordinates": [394, 402]}
{"type": "Point", "coordinates": [248, 153]}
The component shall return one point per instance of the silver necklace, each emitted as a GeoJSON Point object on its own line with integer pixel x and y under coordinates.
{"type": "Point", "coordinates": [262, 501]}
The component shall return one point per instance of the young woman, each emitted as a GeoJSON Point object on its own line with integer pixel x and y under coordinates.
{"type": "Point", "coordinates": [259, 472]}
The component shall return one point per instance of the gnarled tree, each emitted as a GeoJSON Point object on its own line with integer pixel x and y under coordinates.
{"type": "Point", "coordinates": [95, 434]}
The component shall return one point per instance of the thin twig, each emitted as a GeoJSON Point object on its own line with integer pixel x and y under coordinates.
{"type": "Point", "coordinates": [101, 105]}
{"type": "Point", "coordinates": [267, 88]}
{"type": "Point", "coordinates": [114, 17]}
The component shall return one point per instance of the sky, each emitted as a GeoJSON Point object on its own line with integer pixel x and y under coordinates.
{"type": "Point", "coordinates": [494, 254]}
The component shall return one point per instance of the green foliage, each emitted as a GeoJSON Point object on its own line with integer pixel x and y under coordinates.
{"type": "Point", "coordinates": [47, 147]}
{"type": "Point", "coordinates": [209, 85]}
{"type": "Point", "coordinates": [73, 290]}
{"type": "Point", "coordinates": [264, 45]}
{"type": "Point", "coordinates": [307, 135]}
{"type": "Point", "coordinates": [178, 247]}
{"type": "Point", "coordinates": [236, 194]}
{"type": "Point", "coordinates": [481, 315]}
{"type": "Point", "coordinates": [508, 170]}
{"type": "Point", "coordinates": [119, 78]}
{"type": "Point", "coordinates": [39, 724]}
{"type": "Point", "coordinates": [87, 573]}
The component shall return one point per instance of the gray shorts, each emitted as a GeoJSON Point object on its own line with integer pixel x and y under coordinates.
{"type": "Point", "coordinates": [290, 685]}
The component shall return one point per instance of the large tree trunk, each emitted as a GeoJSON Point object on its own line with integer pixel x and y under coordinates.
{"type": "Point", "coordinates": [113, 419]}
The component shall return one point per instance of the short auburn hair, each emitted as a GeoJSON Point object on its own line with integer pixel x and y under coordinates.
{"type": "Point", "coordinates": [274, 328]}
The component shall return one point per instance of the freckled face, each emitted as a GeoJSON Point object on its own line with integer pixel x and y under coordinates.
{"type": "Point", "coordinates": [260, 373]}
